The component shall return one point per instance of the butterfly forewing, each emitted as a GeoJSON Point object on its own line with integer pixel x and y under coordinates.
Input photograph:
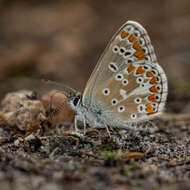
{"type": "Point", "coordinates": [127, 80]}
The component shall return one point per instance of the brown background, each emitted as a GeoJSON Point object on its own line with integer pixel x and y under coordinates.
{"type": "Point", "coordinates": [62, 41]}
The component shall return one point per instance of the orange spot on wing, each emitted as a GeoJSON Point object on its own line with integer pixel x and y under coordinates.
{"type": "Point", "coordinates": [152, 98]}
{"type": "Point", "coordinates": [154, 89]}
{"type": "Point", "coordinates": [149, 74]}
{"type": "Point", "coordinates": [136, 45]}
{"type": "Point", "coordinates": [124, 34]}
{"type": "Point", "coordinates": [139, 53]}
{"type": "Point", "coordinates": [153, 80]}
{"type": "Point", "coordinates": [132, 38]}
{"type": "Point", "coordinates": [140, 70]}
{"type": "Point", "coordinates": [149, 109]}
{"type": "Point", "coordinates": [130, 68]}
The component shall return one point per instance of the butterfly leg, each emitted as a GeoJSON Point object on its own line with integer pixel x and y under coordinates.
{"type": "Point", "coordinates": [75, 123]}
{"type": "Point", "coordinates": [78, 117]}
{"type": "Point", "coordinates": [152, 128]}
{"type": "Point", "coordinates": [107, 129]}
{"type": "Point", "coordinates": [84, 123]}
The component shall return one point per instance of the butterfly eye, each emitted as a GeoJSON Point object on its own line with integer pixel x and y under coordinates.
{"type": "Point", "coordinates": [139, 80]}
{"type": "Point", "coordinates": [118, 77]}
{"type": "Point", "coordinates": [133, 116]}
{"type": "Point", "coordinates": [115, 49]}
{"type": "Point", "coordinates": [129, 28]}
{"type": "Point", "coordinates": [121, 109]}
{"type": "Point", "coordinates": [106, 91]}
{"type": "Point", "coordinates": [138, 100]}
{"type": "Point", "coordinates": [76, 100]}
{"type": "Point", "coordinates": [114, 101]}
{"type": "Point", "coordinates": [137, 33]}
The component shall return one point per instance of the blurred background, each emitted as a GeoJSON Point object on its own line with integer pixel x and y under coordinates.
{"type": "Point", "coordinates": [62, 40]}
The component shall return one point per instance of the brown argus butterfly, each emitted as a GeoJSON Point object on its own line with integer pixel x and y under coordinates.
{"type": "Point", "coordinates": [127, 85]}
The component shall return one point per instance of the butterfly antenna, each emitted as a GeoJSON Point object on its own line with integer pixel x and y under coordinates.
{"type": "Point", "coordinates": [69, 92]}
{"type": "Point", "coordinates": [54, 111]}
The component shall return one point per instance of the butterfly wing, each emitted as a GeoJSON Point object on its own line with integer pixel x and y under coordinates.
{"type": "Point", "coordinates": [127, 81]}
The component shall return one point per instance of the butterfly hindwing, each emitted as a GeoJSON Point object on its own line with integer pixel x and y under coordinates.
{"type": "Point", "coordinates": [134, 93]}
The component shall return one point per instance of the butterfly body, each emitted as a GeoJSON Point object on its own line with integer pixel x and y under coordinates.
{"type": "Point", "coordinates": [127, 85]}
{"type": "Point", "coordinates": [91, 115]}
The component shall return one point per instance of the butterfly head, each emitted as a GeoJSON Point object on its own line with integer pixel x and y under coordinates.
{"type": "Point", "coordinates": [74, 97]}
{"type": "Point", "coordinates": [74, 100]}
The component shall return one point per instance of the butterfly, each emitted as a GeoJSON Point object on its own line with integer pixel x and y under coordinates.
{"type": "Point", "coordinates": [127, 85]}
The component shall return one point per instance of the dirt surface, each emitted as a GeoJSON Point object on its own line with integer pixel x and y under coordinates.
{"type": "Point", "coordinates": [58, 158]}
{"type": "Point", "coordinates": [62, 41]}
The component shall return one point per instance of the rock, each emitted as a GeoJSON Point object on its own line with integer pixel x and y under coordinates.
{"type": "Point", "coordinates": [2, 118]}
{"type": "Point", "coordinates": [13, 101]}
{"type": "Point", "coordinates": [21, 110]}
{"type": "Point", "coordinates": [29, 115]}
{"type": "Point", "coordinates": [34, 142]}
{"type": "Point", "coordinates": [50, 186]}
{"type": "Point", "coordinates": [3, 139]}
{"type": "Point", "coordinates": [30, 137]}
{"type": "Point", "coordinates": [18, 141]}
{"type": "Point", "coordinates": [56, 104]}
